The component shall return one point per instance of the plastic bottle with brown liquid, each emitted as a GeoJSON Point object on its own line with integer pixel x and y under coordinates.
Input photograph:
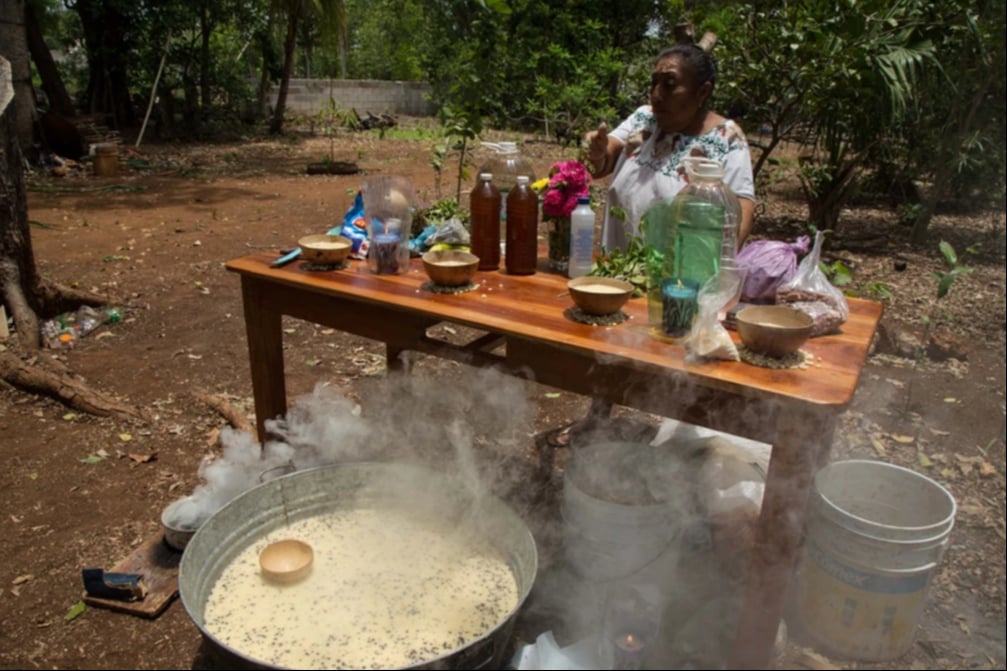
{"type": "Point", "coordinates": [522, 229]}
{"type": "Point", "coordinates": [485, 207]}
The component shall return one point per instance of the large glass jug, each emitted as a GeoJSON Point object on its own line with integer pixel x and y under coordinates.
{"type": "Point", "coordinates": [690, 235]}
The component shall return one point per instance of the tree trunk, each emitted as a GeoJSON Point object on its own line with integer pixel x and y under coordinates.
{"type": "Point", "coordinates": [105, 39]}
{"type": "Point", "coordinates": [14, 47]}
{"type": "Point", "coordinates": [204, 61]}
{"type": "Point", "coordinates": [18, 275]}
{"type": "Point", "coordinates": [52, 83]}
{"type": "Point", "coordinates": [293, 19]}
{"type": "Point", "coordinates": [21, 290]}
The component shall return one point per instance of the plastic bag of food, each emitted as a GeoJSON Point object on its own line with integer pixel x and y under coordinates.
{"type": "Point", "coordinates": [355, 227]}
{"type": "Point", "coordinates": [708, 338]}
{"type": "Point", "coordinates": [811, 292]}
{"type": "Point", "coordinates": [770, 264]}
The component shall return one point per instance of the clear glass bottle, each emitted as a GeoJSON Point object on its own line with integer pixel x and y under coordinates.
{"type": "Point", "coordinates": [484, 203]}
{"type": "Point", "coordinates": [581, 238]}
{"type": "Point", "coordinates": [690, 234]}
{"type": "Point", "coordinates": [522, 228]}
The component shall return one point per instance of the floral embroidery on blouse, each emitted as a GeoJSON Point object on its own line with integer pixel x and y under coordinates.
{"type": "Point", "coordinates": [665, 155]}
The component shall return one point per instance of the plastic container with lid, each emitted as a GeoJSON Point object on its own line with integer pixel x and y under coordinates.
{"type": "Point", "coordinates": [581, 238]}
{"type": "Point", "coordinates": [693, 232]}
{"type": "Point", "coordinates": [505, 165]}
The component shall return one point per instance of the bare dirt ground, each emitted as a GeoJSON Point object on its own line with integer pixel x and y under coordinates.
{"type": "Point", "coordinates": [82, 491]}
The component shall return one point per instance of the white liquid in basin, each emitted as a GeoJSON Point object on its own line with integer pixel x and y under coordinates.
{"type": "Point", "coordinates": [386, 590]}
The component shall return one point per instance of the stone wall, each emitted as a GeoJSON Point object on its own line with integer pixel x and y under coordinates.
{"type": "Point", "coordinates": [310, 96]}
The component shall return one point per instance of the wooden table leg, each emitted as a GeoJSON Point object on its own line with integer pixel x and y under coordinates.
{"type": "Point", "coordinates": [802, 436]}
{"type": "Point", "coordinates": [265, 354]}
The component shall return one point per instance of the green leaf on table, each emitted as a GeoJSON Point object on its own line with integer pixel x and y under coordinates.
{"type": "Point", "coordinates": [75, 611]}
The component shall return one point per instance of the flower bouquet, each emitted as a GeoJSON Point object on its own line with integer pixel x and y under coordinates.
{"type": "Point", "coordinates": [567, 181]}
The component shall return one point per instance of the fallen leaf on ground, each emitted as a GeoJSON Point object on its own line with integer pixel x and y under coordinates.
{"type": "Point", "coordinates": [103, 453]}
{"type": "Point", "coordinates": [125, 437]}
{"type": "Point", "coordinates": [75, 611]}
{"type": "Point", "coordinates": [142, 458]}
{"type": "Point", "coordinates": [987, 469]}
{"type": "Point", "coordinates": [551, 394]}
{"type": "Point", "coordinates": [950, 399]}
{"type": "Point", "coordinates": [879, 446]}
{"type": "Point", "coordinates": [925, 461]}
{"type": "Point", "coordinates": [813, 660]}
{"type": "Point", "coordinates": [91, 459]}
{"type": "Point", "coordinates": [212, 437]}
{"type": "Point", "coordinates": [938, 432]}
{"type": "Point", "coordinates": [21, 579]}
{"type": "Point", "coordinates": [70, 416]}
{"type": "Point", "coordinates": [905, 440]}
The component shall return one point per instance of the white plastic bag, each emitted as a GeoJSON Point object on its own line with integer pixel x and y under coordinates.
{"type": "Point", "coordinates": [708, 338]}
{"type": "Point", "coordinates": [811, 292]}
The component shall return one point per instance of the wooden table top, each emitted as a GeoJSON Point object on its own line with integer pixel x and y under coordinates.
{"type": "Point", "coordinates": [535, 306]}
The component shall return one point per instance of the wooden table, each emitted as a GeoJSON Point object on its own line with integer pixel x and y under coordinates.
{"type": "Point", "coordinates": [794, 410]}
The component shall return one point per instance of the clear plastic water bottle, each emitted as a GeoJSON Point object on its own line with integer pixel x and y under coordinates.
{"type": "Point", "coordinates": [581, 238]}
{"type": "Point", "coordinates": [692, 234]}
{"type": "Point", "coordinates": [505, 166]}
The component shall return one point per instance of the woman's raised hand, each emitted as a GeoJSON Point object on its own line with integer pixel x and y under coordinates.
{"type": "Point", "coordinates": [597, 148]}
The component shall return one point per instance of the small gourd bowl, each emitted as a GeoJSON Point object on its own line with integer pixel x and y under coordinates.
{"type": "Point", "coordinates": [773, 330]}
{"type": "Point", "coordinates": [325, 249]}
{"type": "Point", "coordinates": [286, 561]}
{"type": "Point", "coordinates": [599, 295]}
{"type": "Point", "coordinates": [450, 267]}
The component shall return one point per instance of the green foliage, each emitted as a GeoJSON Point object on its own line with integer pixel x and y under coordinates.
{"type": "Point", "coordinates": [461, 126]}
{"type": "Point", "coordinates": [630, 265]}
{"type": "Point", "coordinates": [388, 39]}
{"type": "Point", "coordinates": [879, 290]}
{"type": "Point", "coordinates": [837, 272]}
{"type": "Point", "coordinates": [955, 269]}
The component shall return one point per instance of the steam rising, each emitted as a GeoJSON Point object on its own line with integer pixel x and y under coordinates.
{"type": "Point", "coordinates": [408, 418]}
{"type": "Point", "coordinates": [477, 426]}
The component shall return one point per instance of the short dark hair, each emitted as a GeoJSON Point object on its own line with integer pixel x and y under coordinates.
{"type": "Point", "coordinates": [700, 63]}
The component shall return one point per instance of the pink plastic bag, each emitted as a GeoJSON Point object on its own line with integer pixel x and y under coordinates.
{"type": "Point", "coordinates": [770, 264]}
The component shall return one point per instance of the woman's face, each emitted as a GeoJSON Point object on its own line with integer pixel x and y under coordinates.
{"type": "Point", "coordinates": [675, 96]}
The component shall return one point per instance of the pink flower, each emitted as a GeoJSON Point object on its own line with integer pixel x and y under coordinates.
{"type": "Point", "coordinates": [568, 181]}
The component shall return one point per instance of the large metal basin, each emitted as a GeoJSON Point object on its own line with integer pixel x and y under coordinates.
{"type": "Point", "coordinates": [347, 486]}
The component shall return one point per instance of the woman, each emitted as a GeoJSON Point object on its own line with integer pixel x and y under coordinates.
{"type": "Point", "coordinates": [644, 154]}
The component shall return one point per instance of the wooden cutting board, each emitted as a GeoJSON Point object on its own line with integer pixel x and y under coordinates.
{"type": "Point", "coordinates": [158, 564]}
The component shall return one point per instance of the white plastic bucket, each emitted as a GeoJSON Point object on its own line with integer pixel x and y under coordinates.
{"type": "Point", "coordinates": [606, 539]}
{"type": "Point", "coordinates": [876, 533]}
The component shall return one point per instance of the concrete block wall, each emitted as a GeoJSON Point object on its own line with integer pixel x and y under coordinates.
{"type": "Point", "coordinates": [310, 96]}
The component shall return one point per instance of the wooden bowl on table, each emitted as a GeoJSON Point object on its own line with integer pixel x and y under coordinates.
{"type": "Point", "coordinates": [450, 267]}
{"type": "Point", "coordinates": [325, 249]}
{"type": "Point", "coordinates": [774, 330]}
{"type": "Point", "coordinates": [599, 295]}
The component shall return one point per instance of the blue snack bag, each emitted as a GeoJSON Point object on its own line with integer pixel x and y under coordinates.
{"type": "Point", "coordinates": [355, 227]}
